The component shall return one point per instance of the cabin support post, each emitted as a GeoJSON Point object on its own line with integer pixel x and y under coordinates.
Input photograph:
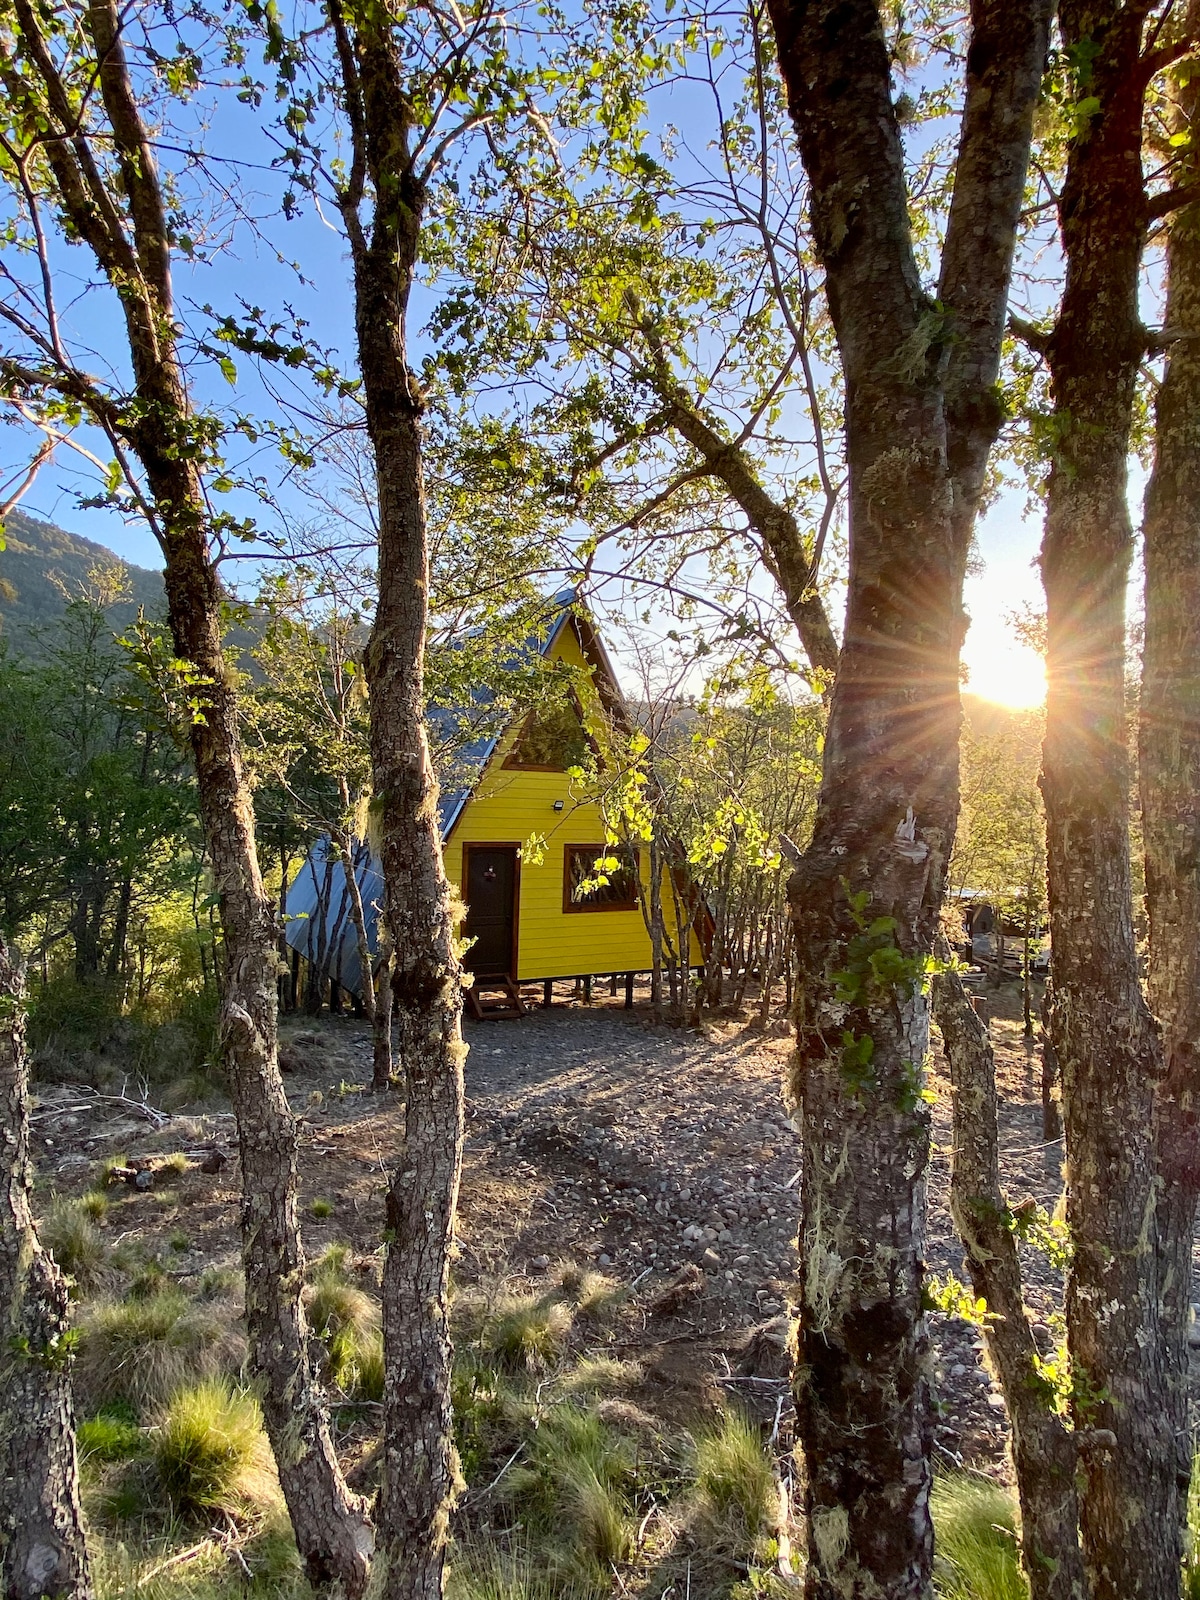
{"type": "Point", "coordinates": [547, 994]}
{"type": "Point", "coordinates": [587, 990]}
{"type": "Point", "coordinates": [294, 999]}
{"type": "Point", "coordinates": [612, 984]}
{"type": "Point", "coordinates": [629, 991]}
{"type": "Point", "coordinates": [335, 998]}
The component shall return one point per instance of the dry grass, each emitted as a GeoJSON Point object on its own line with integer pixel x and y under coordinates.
{"type": "Point", "coordinates": [142, 1350]}
{"type": "Point", "coordinates": [69, 1232]}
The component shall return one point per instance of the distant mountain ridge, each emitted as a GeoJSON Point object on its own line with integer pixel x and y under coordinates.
{"type": "Point", "coordinates": [37, 553]}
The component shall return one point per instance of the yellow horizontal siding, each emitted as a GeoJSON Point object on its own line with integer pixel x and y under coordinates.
{"type": "Point", "coordinates": [510, 807]}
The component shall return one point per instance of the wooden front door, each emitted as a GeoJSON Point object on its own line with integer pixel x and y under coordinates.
{"type": "Point", "coordinates": [492, 879]}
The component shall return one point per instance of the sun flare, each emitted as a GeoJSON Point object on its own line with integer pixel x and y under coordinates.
{"type": "Point", "coordinates": [1010, 674]}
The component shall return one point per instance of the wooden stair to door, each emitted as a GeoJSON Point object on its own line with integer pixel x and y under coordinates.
{"type": "Point", "coordinates": [495, 1000]}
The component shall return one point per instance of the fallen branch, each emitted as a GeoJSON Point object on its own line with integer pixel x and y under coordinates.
{"type": "Point", "coordinates": [177, 1560]}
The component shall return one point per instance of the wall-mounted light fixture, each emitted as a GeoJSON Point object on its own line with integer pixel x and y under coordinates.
{"type": "Point", "coordinates": [558, 805]}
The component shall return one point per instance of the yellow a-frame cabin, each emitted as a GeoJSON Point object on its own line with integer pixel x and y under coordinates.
{"type": "Point", "coordinates": [530, 913]}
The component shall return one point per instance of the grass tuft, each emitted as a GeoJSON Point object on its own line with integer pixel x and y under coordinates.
{"type": "Point", "coordinates": [70, 1233]}
{"type": "Point", "coordinates": [93, 1204]}
{"type": "Point", "coordinates": [575, 1487]}
{"type": "Point", "coordinates": [210, 1453]}
{"type": "Point", "coordinates": [734, 1481]}
{"type": "Point", "coordinates": [347, 1320]}
{"type": "Point", "coordinates": [479, 1571]}
{"type": "Point", "coordinates": [600, 1375]}
{"type": "Point", "coordinates": [589, 1291]}
{"type": "Point", "coordinates": [526, 1334]}
{"type": "Point", "coordinates": [109, 1437]}
{"type": "Point", "coordinates": [142, 1350]}
{"type": "Point", "coordinates": [977, 1556]}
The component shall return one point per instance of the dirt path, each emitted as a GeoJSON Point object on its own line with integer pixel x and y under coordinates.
{"type": "Point", "coordinates": [592, 1136]}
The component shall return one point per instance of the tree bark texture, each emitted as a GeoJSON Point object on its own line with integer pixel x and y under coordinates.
{"type": "Point", "coordinates": [1103, 1035]}
{"type": "Point", "coordinates": [332, 1529]}
{"type": "Point", "coordinates": [1043, 1450]}
{"type": "Point", "coordinates": [1169, 773]}
{"type": "Point", "coordinates": [419, 1466]}
{"type": "Point", "coordinates": [42, 1547]}
{"type": "Point", "coordinates": [866, 894]}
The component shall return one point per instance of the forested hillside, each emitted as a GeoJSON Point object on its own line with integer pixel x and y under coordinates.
{"type": "Point", "coordinates": [44, 567]}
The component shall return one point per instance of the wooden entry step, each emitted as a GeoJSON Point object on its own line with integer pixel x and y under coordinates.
{"type": "Point", "coordinates": [495, 1000]}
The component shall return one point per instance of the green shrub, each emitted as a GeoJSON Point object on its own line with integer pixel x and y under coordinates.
{"type": "Point", "coordinates": [74, 1240]}
{"type": "Point", "coordinates": [975, 1526]}
{"type": "Point", "coordinates": [489, 1416]}
{"type": "Point", "coordinates": [734, 1481]}
{"type": "Point", "coordinates": [142, 1350]}
{"type": "Point", "coordinates": [67, 1013]}
{"type": "Point", "coordinates": [210, 1453]}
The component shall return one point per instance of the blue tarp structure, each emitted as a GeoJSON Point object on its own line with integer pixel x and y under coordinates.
{"type": "Point", "coordinates": [318, 921]}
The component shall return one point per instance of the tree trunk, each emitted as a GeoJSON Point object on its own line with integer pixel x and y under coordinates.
{"type": "Point", "coordinates": [1043, 1450]}
{"type": "Point", "coordinates": [345, 846]}
{"type": "Point", "coordinates": [1169, 774]}
{"type": "Point", "coordinates": [381, 1068]}
{"type": "Point", "coordinates": [1051, 1119]}
{"type": "Point", "coordinates": [320, 953]}
{"type": "Point", "coordinates": [1026, 979]}
{"type": "Point", "coordinates": [1103, 1035]}
{"type": "Point", "coordinates": [331, 1526]}
{"type": "Point", "coordinates": [418, 1487]}
{"type": "Point", "coordinates": [287, 997]}
{"type": "Point", "coordinates": [42, 1549]}
{"type": "Point", "coordinates": [920, 420]}
{"type": "Point", "coordinates": [120, 934]}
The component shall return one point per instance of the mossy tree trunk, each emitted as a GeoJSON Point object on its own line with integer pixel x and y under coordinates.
{"type": "Point", "coordinates": [920, 420]}
{"type": "Point", "coordinates": [1043, 1448]}
{"type": "Point", "coordinates": [130, 238]}
{"type": "Point", "coordinates": [1107, 1045]}
{"type": "Point", "coordinates": [418, 1454]}
{"type": "Point", "coordinates": [43, 1552]}
{"type": "Point", "coordinates": [1169, 775]}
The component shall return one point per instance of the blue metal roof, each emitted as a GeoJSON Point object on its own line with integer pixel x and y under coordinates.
{"type": "Point", "coordinates": [317, 910]}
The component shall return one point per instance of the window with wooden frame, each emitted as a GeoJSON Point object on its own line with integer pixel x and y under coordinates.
{"type": "Point", "coordinates": [583, 864]}
{"type": "Point", "coordinates": [552, 738]}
